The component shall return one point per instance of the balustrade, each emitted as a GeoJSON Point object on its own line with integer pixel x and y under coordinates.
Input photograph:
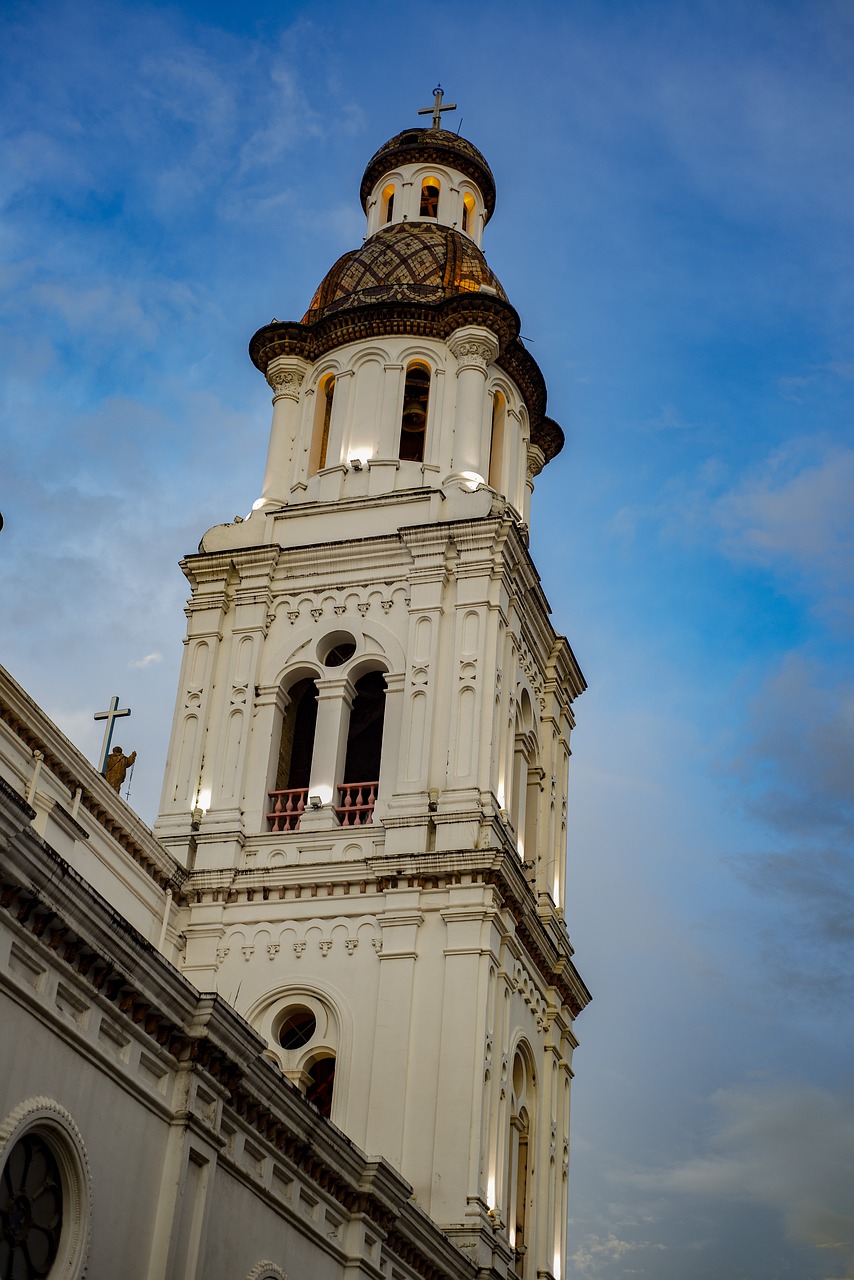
{"type": "Point", "coordinates": [287, 809]}
{"type": "Point", "coordinates": [356, 803]}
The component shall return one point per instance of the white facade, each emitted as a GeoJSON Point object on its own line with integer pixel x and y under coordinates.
{"type": "Point", "coordinates": [423, 930]}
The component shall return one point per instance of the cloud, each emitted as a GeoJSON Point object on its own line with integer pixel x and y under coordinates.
{"type": "Point", "coordinates": [788, 1147]}
{"type": "Point", "coordinates": [798, 759]}
{"type": "Point", "coordinates": [142, 663]}
{"type": "Point", "coordinates": [794, 776]}
{"type": "Point", "coordinates": [795, 516]}
{"type": "Point", "coordinates": [791, 514]}
{"type": "Point", "coordinates": [597, 1252]}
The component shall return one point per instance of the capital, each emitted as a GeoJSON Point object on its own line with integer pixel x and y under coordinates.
{"type": "Point", "coordinates": [473, 347]}
{"type": "Point", "coordinates": [285, 375]}
{"type": "Point", "coordinates": [536, 461]}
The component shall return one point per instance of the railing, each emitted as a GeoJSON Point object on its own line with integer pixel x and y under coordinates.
{"type": "Point", "coordinates": [356, 803]}
{"type": "Point", "coordinates": [287, 810]}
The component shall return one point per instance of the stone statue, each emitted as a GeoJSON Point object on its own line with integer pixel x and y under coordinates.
{"type": "Point", "coordinates": [117, 766]}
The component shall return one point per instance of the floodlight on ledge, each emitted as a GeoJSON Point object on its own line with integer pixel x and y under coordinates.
{"type": "Point", "coordinates": [315, 802]}
{"type": "Point", "coordinates": [356, 464]}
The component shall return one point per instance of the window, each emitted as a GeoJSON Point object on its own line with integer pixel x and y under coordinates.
{"type": "Point", "coordinates": [522, 1098]}
{"type": "Point", "coordinates": [307, 1033]}
{"type": "Point", "coordinates": [297, 1029]}
{"type": "Point", "coordinates": [321, 1080]}
{"type": "Point", "coordinates": [468, 213]}
{"type": "Point", "coordinates": [496, 448]}
{"type": "Point", "coordinates": [31, 1204]}
{"type": "Point", "coordinates": [429, 198]}
{"type": "Point", "coordinates": [296, 746]}
{"type": "Point", "coordinates": [322, 419]}
{"type": "Point", "coordinates": [358, 791]}
{"type": "Point", "coordinates": [387, 204]}
{"type": "Point", "coordinates": [413, 422]}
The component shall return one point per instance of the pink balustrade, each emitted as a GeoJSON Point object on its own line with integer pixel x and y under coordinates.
{"type": "Point", "coordinates": [356, 803]}
{"type": "Point", "coordinates": [287, 809]}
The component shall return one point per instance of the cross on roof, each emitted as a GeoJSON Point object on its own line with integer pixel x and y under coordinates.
{"type": "Point", "coordinates": [437, 108]}
{"type": "Point", "coordinates": [111, 715]}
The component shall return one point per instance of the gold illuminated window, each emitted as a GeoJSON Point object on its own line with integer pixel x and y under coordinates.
{"type": "Point", "coordinates": [430, 198]}
{"type": "Point", "coordinates": [387, 206]}
{"type": "Point", "coordinates": [322, 419]}
{"type": "Point", "coordinates": [468, 213]}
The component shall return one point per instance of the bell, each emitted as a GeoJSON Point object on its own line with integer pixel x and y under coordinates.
{"type": "Point", "coordinates": [415, 415]}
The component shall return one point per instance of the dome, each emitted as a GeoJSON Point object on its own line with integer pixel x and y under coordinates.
{"type": "Point", "coordinates": [405, 262]}
{"type": "Point", "coordinates": [431, 146]}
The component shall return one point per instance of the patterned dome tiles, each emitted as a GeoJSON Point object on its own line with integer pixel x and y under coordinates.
{"type": "Point", "coordinates": [413, 261]}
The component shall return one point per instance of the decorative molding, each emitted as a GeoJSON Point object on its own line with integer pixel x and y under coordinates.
{"type": "Point", "coordinates": [266, 1271]}
{"type": "Point", "coordinates": [284, 382]}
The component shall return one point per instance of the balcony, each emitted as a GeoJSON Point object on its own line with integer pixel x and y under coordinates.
{"type": "Point", "coordinates": [355, 806]}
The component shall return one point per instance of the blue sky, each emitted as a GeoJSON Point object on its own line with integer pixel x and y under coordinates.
{"type": "Point", "coordinates": [675, 195]}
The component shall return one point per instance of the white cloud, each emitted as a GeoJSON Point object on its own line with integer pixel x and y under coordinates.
{"type": "Point", "coordinates": [142, 663]}
{"type": "Point", "coordinates": [597, 1252]}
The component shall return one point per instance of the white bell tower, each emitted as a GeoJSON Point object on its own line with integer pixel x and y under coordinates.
{"type": "Point", "coordinates": [367, 776]}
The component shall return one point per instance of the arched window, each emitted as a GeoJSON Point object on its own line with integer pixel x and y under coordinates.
{"type": "Point", "coordinates": [293, 769]}
{"type": "Point", "coordinates": [321, 1075]}
{"type": "Point", "coordinates": [322, 419]}
{"type": "Point", "coordinates": [468, 213]}
{"type": "Point", "coordinates": [413, 422]}
{"type": "Point", "coordinates": [519, 1151]}
{"type": "Point", "coordinates": [307, 1036]}
{"type": "Point", "coordinates": [496, 448]}
{"type": "Point", "coordinates": [358, 790]}
{"type": "Point", "coordinates": [430, 198]}
{"type": "Point", "coordinates": [387, 204]}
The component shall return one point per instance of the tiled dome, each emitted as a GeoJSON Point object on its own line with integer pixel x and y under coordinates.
{"type": "Point", "coordinates": [405, 262]}
{"type": "Point", "coordinates": [431, 146]}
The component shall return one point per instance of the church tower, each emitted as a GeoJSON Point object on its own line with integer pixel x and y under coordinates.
{"type": "Point", "coordinates": [367, 776]}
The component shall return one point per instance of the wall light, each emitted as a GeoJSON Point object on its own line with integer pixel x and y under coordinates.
{"type": "Point", "coordinates": [356, 464]}
{"type": "Point", "coordinates": [315, 802]}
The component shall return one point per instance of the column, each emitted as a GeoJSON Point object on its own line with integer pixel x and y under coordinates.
{"type": "Point", "coordinates": [334, 702]}
{"type": "Point", "coordinates": [474, 349]}
{"type": "Point", "coordinates": [285, 375]}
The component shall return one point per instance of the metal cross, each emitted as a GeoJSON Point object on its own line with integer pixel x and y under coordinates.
{"type": "Point", "coordinates": [111, 716]}
{"type": "Point", "coordinates": [437, 108]}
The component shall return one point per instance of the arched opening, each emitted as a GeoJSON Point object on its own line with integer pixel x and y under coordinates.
{"type": "Point", "coordinates": [387, 204]}
{"type": "Point", "coordinates": [321, 1079]}
{"type": "Point", "coordinates": [293, 769]}
{"type": "Point", "coordinates": [358, 790]}
{"type": "Point", "coordinates": [468, 213]}
{"type": "Point", "coordinates": [413, 422]}
{"type": "Point", "coordinates": [430, 188]}
{"type": "Point", "coordinates": [496, 448]}
{"type": "Point", "coordinates": [520, 1150]}
{"type": "Point", "coordinates": [322, 419]}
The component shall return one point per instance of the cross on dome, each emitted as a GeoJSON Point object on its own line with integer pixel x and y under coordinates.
{"type": "Point", "coordinates": [437, 108]}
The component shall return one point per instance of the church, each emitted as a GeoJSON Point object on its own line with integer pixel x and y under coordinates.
{"type": "Point", "coordinates": [318, 1022]}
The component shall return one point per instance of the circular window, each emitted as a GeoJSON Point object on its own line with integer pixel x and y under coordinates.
{"type": "Point", "coordinates": [297, 1029]}
{"type": "Point", "coordinates": [30, 1210]}
{"type": "Point", "coordinates": [335, 649]}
